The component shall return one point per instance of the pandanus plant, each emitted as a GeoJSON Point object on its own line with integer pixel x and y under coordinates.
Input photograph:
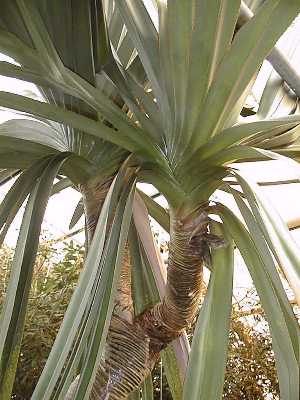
{"type": "Point", "coordinates": [147, 91]}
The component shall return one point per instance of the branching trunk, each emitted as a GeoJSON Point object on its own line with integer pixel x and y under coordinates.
{"type": "Point", "coordinates": [134, 344]}
{"type": "Point", "coordinates": [188, 250]}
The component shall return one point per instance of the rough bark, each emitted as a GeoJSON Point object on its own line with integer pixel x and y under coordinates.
{"type": "Point", "coordinates": [134, 344]}
{"type": "Point", "coordinates": [188, 250]}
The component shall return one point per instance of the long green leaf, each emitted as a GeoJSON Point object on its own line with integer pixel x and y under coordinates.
{"type": "Point", "coordinates": [62, 184]}
{"type": "Point", "coordinates": [156, 211]}
{"type": "Point", "coordinates": [12, 46]}
{"type": "Point", "coordinates": [71, 84]}
{"type": "Point", "coordinates": [276, 233]}
{"type": "Point", "coordinates": [17, 194]}
{"type": "Point", "coordinates": [175, 28]}
{"type": "Point", "coordinates": [270, 267]}
{"type": "Point", "coordinates": [14, 309]}
{"type": "Point", "coordinates": [144, 290]}
{"type": "Point", "coordinates": [281, 140]}
{"type": "Point", "coordinates": [206, 368]}
{"type": "Point", "coordinates": [235, 113]}
{"type": "Point", "coordinates": [144, 36]}
{"type": "Point", "coordinates": [213, 28]}
{"type": "Point", "coordinates": [34, 132]}
{"type": "Point", "coordinates": [73, 119]}
{"type": "Point", "coordinates": [239, 133]}
{"type": "Point", "coordinates": [77, 306]}
{"type": "Point", "coordinates": [172, 370]}
{"type": "Point", "coordinates": [106, 291]}
{"type": "Point", "coordinates": [90, 318]}
{"type": "Point", "coordinates": [140, 103]}
{"type": "Point", "coordinates": [233, 154]}
{"type": "Point", "coordinates": [141, 219]}
{"type": "Point", "coordinates": [7, 174]}
{"type": "Point", "coordinates": [14, 71]}
{"type": "Point", "coordinates": [286, 358]}
{"type": "Point", "coordinates": [75, 321]}
{"type": "Point", "coordinates": [147, 389]}
{"type": "Point", "coordinates": [250, 46]}
{"type": "Point", "coordinates": [77, 214]}
{"type": "Point", "coordinates": [40, 37]}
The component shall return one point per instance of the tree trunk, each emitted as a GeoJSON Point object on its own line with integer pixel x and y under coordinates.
{"type": "Point", "coordinates": [188, 250]}
{"type": "Point", "coordinates": [134, 344]}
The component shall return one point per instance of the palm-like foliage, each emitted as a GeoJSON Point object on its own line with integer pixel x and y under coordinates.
{"type": "Point", "coordinates": [126, 102]}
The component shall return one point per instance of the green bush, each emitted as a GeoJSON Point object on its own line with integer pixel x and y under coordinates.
{"type": "Point", "coordinates": [250, 372]}
{"type": "Point", "coordinates": [53, 284]}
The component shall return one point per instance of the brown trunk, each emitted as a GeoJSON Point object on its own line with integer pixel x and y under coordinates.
{"type": "Point", "coordinates": [188, 250]}
{"type": "Point", "coordinates": [133, 345]}
{"type": "Point", "coordinates": [126, 361]}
